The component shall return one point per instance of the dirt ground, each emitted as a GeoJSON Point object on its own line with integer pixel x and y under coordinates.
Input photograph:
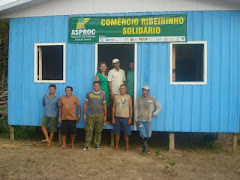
{"type": "Point", "coordinates": [30, 160]}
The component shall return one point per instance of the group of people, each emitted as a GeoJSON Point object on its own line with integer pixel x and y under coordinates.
{"type": "Point", "coordinates": [110, 92]}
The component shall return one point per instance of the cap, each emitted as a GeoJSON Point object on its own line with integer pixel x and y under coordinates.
{"type": "Point", "coordinates": [115, 60]}
{"type": "Point", "coordinates": [146, 87]}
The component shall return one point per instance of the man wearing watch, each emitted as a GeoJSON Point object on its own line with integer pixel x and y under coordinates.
{"type": "Point", "coordinates": [67, 115]}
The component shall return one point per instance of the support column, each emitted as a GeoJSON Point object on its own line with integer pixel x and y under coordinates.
{"type": "Point", "coordinates": [11, 133]}
{"type": "Point", "coordinates": [112, 138]}
{"type": "Point", "coordinates": [171, 141]}
{"type": "Point", "coordinates": [59, 137]}
{"type": "Point", "coordinates": [234, 143]}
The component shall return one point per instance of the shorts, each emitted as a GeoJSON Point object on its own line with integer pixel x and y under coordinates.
{"type": "Point", "coordinates": [52, 121]}
{"type": "Point", "coordinates": [68, 127]}
{"type": "Point", "coordinates": [145, 129]}
{"type": "Point", "coordinates": [122, 124]}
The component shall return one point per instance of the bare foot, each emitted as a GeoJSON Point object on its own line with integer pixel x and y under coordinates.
{"type": "Point", "coordinates": [45, 140]}
{"type": "Point", "coordinates": [63, 147]}
{"type": "Point", "coordinates": [117, 148]}
{"type": "Point", "coordinates": [48, 146]}
{"type": "Point", "coordinates": [72, 146]}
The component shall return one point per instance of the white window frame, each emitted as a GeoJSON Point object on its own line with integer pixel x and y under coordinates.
{"type": "Point", "coordinates": [135, 69]}
{"type": "Point", "coordinates": [36, 45]}
{"type": "Point", "coordinates": [204, 82]}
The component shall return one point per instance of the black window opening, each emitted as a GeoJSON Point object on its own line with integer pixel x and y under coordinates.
{"type": "Point", "coordinates": [188, 63]}
{"type": "Point", "coordinates": [123, 52]}
{"type": "Point", "coordinates": [50, 62]}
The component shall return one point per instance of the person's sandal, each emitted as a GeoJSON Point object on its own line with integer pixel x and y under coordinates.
{"type": "Point", "coordinates": [63, 147]}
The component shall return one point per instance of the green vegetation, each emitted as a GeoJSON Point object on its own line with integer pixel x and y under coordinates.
{"type": "Point", "coordinates": [4, 31]}
{"type": "Point", "coordinates": [172, 164]}
{"type": "Point", "coordinates": [20, 132]}
{"type": "Point", "coordinates": [209, 140]}
{"type": "Point", "coordinates": [196, 140]}
{"type": "Point", "coordinates": [4, 130]}
{"type": "Point", "coordinates": [170, 169]}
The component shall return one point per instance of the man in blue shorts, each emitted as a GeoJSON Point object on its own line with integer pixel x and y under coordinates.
{"type": "Point", "coordinates": [122, 116]}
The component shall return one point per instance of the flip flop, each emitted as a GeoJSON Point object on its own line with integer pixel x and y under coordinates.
{"type": "Point", "coordinates": [63, 147]}
{"type": "Point", "coordinates": [45, 140]}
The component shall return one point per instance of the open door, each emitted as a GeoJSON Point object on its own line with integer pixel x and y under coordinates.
{"type": "Point", "coordinates": [126, 53]}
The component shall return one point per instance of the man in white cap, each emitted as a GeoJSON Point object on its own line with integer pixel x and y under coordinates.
{"type": "Point", "coordinates": [116, 77]}
{"type": "Point", "coordinates": [146, 108]}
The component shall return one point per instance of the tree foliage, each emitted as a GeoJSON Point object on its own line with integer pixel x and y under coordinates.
{"type": "Point", "coordinates": [4, 36]}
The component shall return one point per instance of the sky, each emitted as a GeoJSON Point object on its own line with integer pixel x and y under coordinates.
{"type": "Point", "coordinates": [4, 2]}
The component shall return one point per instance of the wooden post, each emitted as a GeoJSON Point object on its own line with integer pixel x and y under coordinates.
{"type": "Point", "coordinates": [112, 138]}
{"type": "Point", "coordinates": [171, 141]}
{"type": "Point", "coordinates": [234, 143]}
{"type": "Point", "coordinates": [59, 137]}
{"type": "Point", "coordinates": [11, 133]}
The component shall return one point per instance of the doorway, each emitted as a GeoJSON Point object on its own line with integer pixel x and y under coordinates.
{"type": "Point", "coordinates": [126, 53]}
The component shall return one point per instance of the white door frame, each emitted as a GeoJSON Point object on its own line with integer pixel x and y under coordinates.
{"type": "Point", "coordinates": [135, 69]}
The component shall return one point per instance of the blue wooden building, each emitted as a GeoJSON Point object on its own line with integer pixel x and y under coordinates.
{"type": "Point", "coordinates": [197, 81]}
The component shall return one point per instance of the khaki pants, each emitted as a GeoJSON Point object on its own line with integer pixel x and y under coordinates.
{"type": "Point", "coordinates": [93, 121]}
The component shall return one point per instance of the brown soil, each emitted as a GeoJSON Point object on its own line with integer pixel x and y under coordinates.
{"type": "Point", "coordinates": [30, 160]}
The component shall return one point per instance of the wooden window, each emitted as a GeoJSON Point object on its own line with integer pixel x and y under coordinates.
{"type": "Point", "coordinates": [188, 63]}
{"type": "Point", "coordinates": [49, 62]}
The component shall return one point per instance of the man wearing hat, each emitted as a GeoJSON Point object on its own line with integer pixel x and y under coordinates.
{"type": "Point", "coordinates": [116, 77]}
{"type": "Point", "coordinates": [146, 107]}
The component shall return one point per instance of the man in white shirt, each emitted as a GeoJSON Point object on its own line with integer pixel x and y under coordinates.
{"type": "Point", "coordinates": [116, 77]}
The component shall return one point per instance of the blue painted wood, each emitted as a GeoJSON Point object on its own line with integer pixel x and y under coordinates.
{"type": "Point", "coordinates": [216, 59]}
{"type": "Point", "coordinates": [234, 71]}
{"type": "Point", "coordinates": [178, 108]}
{"type": "Point", "coordinates": [238, 56]}
{"type": "Point", "coordinates": [225, 71]}
{"type": "Point", "coordinates": [154, 62]}
{"type": "Point", "coordinates": [197, 90]}
{"type": "Point", "coordinates": [170, 109]}
{"type": "Point", "coordinates": [186, 108]}
{"type": "Point", "coordinates": [162, 82]}
{"type": "Point", "coordinates": [206, 90]}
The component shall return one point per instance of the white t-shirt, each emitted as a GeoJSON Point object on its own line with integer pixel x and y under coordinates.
{"type": "Point", "coordinates": [117, 78]}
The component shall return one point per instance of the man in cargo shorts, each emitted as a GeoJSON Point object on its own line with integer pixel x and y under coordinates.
{"type": "Point", "coordinates": [146, 108]}
{"type": "Point", "coordinates": [50, 101]}
{"type": "Point", "coordinates": [122, 116]}
{"type": "Point", "coordinates": [67, 116]}
{"type": "Point", "coordinates": [95, 102]}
